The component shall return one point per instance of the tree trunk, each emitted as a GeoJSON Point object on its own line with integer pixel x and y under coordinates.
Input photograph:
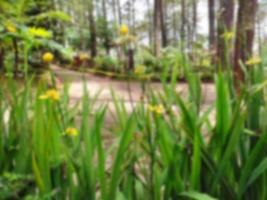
{"type": "Point", "coordinates": [157, 28]}
{"type": "Point", "coordinates": [174, 22]}
{"type": "Point", "coordinates": [244, 35]}
{"type": "Point", "coordinates": [119, 11]}
{"type": "Point", "coordinates": [93, 44]}
{"type": "Point", "coordinates": [194, 20]}
{"type": "Point", "coordinates": [114, 11]}
{"type": "Point", "coordinates": [225, 23]}
{"type": "Point", "coordinates": [150, 21]}
{"type": "Point", "coordinates": [106, 39]}
{"type": "Point", "coordinates": [133, 20]}
{"type": "Point", "coordinates": [212, 40]}
{"type": "Point", "coordinates": [130, 60]}
{"type": "Point", "coordinates": [162, 9]}
{"type": "Point", "coordinates": [183, 24]}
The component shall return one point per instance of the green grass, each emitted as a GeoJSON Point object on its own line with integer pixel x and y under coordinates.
{"type": "Point", "coordinates": [181, 153]}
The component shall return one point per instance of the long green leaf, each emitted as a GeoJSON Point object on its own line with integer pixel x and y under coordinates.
{"type": "Point", "coordinates": [197, 195]}
{"type": "Point", "coordinates": [262, 167]}
{"type": "Point", "coordinates": [124, 142]}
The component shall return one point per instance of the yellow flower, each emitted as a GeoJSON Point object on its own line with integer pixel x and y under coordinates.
{"type": "Point", "coordinates": [124, 30]}
{"type": "Point", "coordinates": [72, 132]}
{"type": "Point", "coordinates": [39, 32]}
{"type": "Point", "coordinates": [50, 94]}
{"type": "Point", "coordinates": [228, 35]}
{"type": "Point", "coordinates": [139, 70]}
{"type": "Point", "coordinates": [255, 60]}
{"type": "Point", "coordinates": [84, 56]}
{"type": "Point", "coordinates": [158, 109]}
{"type": "Point", "coordinates": [48, 57]}
{"type": "Point", "coordinates": [11, 28]}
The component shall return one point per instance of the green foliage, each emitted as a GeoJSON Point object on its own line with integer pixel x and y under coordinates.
{"type": "Point", "coordinates": [107, 63]}
{"type": "Point", "coordinates": [167, 146]}
{"type": "Point", "coordinates": [173, 60]}
{"type": "Point", "coordinates": [12, 185]}
{"type": "Point", "coordinates": [155, 152]}
{"type": "Point", "coordinates": [22, 32]}
{"type": "Point", "coordinates": [50, 16]}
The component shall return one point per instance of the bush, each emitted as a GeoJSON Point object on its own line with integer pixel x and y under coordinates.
{"type": "Point", "coordinates": [107, 63]}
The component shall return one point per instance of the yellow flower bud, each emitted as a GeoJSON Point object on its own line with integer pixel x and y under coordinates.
{"type": "Point", "coordinates": [48, 57]}
{"type": "Point", "coordinates": [50, 94]}
{"type": "Point", "coordinates": [72, 132]}
{"type": "Point", "coordinates": [158, 109]}
{"type": "Point", "coordinates": [124, 30]}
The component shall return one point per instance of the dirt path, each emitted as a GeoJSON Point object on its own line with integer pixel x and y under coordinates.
{"type": "Point", "coordinates": [104, 85]}
{"type": "Point", "coordinates": [120, 87]}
